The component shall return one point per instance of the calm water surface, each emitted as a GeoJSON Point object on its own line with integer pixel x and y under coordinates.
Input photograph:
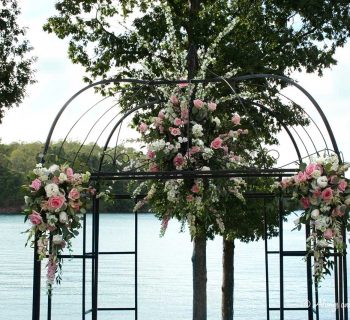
{"type": "Point", "coordinates": [165, 275]}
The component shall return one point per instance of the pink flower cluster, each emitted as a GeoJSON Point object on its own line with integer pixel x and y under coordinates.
{"type": "Point", "coordinates": [324, 194]}
{"type": "Point", "coordinates": [54, 197]}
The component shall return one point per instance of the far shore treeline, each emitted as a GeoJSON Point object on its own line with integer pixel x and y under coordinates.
{"type": "Point", "coordinates": [18, 159]}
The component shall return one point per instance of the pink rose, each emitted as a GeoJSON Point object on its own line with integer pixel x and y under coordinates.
{"type": "Point", "coordinates": [161, 129]}
{"type": "Point", "coordinates": [153, 167]}
{"type": "Point", "coordinates": [184, 115]}
{"type": "Point", "coordinates": [195, 188]}
{"type": "Point", "coordinates": [74, 194]}
{"type": "Point", "coordinates": [69, 172]}
{"type": "Point", "coordinates": [198, 103]}
{"type": "Point", "coordinates": [151, 154]}
{"type": "Point", "coordinates": [175, 131]}
{"type": "Point", "coordinates": [183, 85]}
{"type": "Point", "coordinates": [56, 202]}
{"type": "Point", "coordinates": [190, 198]}
{"type": "Point", "coordinates": [328, 234]}
{"type": "Point", "coordinates": [194, 150]}
{"type": "Point", "coordinates": [225, 148]}
{"type": "Point", "coordinates": [143, 127]}
{"type": "Point", "coordinates": [342, 185]}
{"type": "Point", "coordinates": [174, 100]}
{"type": "Point", "coordinates": [212, 106]}
{"type": "Point", "coordinates": [178, 122]}
{"type": "Point", "coordinates": [339, 211]}
{"type": "Point", "coordinates": [158, 121]}
{"type": "Point", "coordinates": [216, 143]}
{"type": "Point", "coordinates": [327, 194]}
{"type": "Point", "coordinates": [179, 160]}
{"type": "Point", "coordinates": [301, 177]}
{"type": "Point", "coordinates": [35, 218]}
{"type": "Point", "coordinates": [161, 114]}
{"type": "Point", "coordinates": [310, 169]}
{"type": "Point", "coordinates": [236, 119]}
{"type": "Point", "coordinates": [36, 184]}
{"type": "Point", "coordinates": [51, 270]}
{"type": "Point", "coordinates": [305, 202]}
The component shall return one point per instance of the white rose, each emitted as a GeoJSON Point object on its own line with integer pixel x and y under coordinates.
{"type": "Point", "coordinates": [316, 174]}
{"type": "Point", "coordinates": [197, 130]}
{"type": "Point", "coordinates": [63, 217]}
{"type": "Point", "coordinates": [320, 160]}
{"type": "Point", "coordinates": [57, 239]}
{"type": "Point", "coordinates": [51, 190]}
{"type": "Point", "coordinates": [205, 168]}
{"type": "Point", "coordinates": [62, 177]}
{"type": "Point", "coordinates": [315, 213]}
{"type": "Point", "coordinates": [322, 182]}
{"type": "Point", "coordinates": [54, 168]}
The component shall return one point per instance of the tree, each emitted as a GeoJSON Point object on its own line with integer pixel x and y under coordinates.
{"type": "Point", "coordinates": [16, 65]}
{"type": "Point", "coordinates": [176, 39]}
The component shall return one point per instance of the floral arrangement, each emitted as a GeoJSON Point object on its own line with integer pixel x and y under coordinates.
{"type": "Point", "coordinates": [56, 198]}
{"type": "Point", "coordinates": [213, 136]}
{"type": "Point", "coordinates": [324, 194]}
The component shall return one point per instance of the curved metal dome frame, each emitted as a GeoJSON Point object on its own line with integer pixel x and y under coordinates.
{"type": "Point", "coordinates": [100, 174]}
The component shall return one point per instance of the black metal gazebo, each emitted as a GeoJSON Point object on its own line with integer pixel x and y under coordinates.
{"type": "Point", "coordinates": [106, 127]}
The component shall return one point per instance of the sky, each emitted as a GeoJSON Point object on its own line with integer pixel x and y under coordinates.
{"type": "Point", "coordinates": [58, 79]}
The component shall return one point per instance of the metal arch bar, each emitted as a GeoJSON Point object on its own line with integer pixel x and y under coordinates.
{"type": "Point", "coordinates": [283, 125]}
{"type": "Point", "coordinates": [117, 125]}
{"type": "Point", "coordinates": [312, 142]}
{"type": "Point", "coordinates": [291, 100]}
{"type": "Point", "coordinates": [76, 122]}
{"type": "Point", "coordinates": [90, 130]}
{"type": "Point", "coordinates": [306, 93]}
{"type": "Point", "coordinates": [162, 81]}
{"type": "Point", "coordinates": [297, 133]}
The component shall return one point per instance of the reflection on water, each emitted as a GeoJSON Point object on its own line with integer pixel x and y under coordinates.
{"type": "Point", "coordinates": [165, 275]}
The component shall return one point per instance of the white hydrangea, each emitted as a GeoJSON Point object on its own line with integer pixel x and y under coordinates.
{"type": "Point", "coordinates": [197, 130]}
{"type": "Point", "coordinates": [182, 139]}
{"type": "Point", "coordinates": [62, 177]}
{"type": "Point", "coordinates": [158, 145]}
{"type": "Point", "coordinates": [208, 153]}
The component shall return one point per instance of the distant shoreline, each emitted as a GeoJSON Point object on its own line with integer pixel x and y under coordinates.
{"type": "Point", "coordinates": [12, 209]}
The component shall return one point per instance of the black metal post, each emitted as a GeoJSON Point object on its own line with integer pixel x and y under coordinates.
{"type": "Point", "coordinates": [136, 261]}
{"type": "Point", "coordinates": [336, 286]}
{"type": "Point", "coordinates": [280, 204]}
{"type": "Point", "coordinates": [84, 270]}
{"type": "Point", "coordinates": [266, 267]}
{"type": "Point", "coordinates": [345, 278]}
{"type": "Point", "coordinates": [36, 282]}
{"type": "Point", "coordinates": [95, 248]}
{"type": "Point", "coordinates": [309, 278]}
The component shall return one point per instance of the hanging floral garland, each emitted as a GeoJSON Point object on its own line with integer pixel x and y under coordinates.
{"type": "Point", "coordinates": [214, 136]}
{"type": "Point", "coordinates": [324, 194]}
{"type": "Point", "coordinates": [55, 201]}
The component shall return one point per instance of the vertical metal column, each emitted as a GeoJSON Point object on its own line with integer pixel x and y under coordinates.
{"type": "Point", "coordinates": [95, 253]}
{"type": "Point", "coordinates": [280, 205]}
{"type": "Point", "coordinates": [136, 271]}
{"type": "Point", "coordinates": [345, 278]}
{"type": "Point", "coordinates": [83, 302]}
{"type": "Point", "coordinates": [266, 267]}
{"type": "Point", "coordinates": [36, 282]}
{"type": "Point", "coordinates": [309, 278]}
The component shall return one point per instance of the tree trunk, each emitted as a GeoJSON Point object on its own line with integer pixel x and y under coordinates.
{"type": "Point", "coordinates": [199, 267]}
{"type": "Point", "coordinates": [227, 280]}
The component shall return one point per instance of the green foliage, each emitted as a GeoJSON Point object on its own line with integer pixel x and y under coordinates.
{"type": "Point", "coordinates": [113, 37]}
{"type": "Point", "coordinates": [17, 160]}
{"type": "Point", "coordinates": [16, 65]}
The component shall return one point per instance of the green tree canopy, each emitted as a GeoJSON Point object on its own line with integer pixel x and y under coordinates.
{"type": "Point", "coordinates": [16, 64]}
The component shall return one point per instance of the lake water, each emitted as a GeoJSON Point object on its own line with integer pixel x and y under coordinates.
{"type": "Point", "coordinates": [165, 275]}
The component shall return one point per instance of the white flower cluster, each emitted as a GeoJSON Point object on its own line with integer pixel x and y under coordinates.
{"type": "Point", "coordinates": [197, 130]}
